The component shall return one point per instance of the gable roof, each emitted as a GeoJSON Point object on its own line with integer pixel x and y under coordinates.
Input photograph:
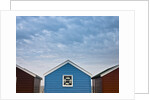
{"type": "Point", "coordinates": [70, 62]}
{"type": "Point", "coordinates": [29, 72]}
{"type": "Point", "coordinates": [105, 72]}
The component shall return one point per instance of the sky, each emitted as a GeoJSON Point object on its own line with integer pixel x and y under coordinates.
{"type": "Point", "coordinates": [43, 42]}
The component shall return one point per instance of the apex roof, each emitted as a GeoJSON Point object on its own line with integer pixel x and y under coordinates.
{"type": "Point", "coordinates": [105, 72]}
{"type": "Point", "coordinates": [27, 71]}
{"type": "Point", "coordinates": [70, 62]}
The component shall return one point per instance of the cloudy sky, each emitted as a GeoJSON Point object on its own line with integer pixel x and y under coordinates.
{"type": "Point", "coordinates": [43, 42]}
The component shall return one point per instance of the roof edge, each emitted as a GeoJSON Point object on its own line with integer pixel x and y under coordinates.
{"type": "Point", "coordinates": [65, 62]}
{"type": "Point", "coordinates": [106, 71]}
{"type": "Point", "coordinates": [109, 71]}
{"type": "Point", "coordinates": [29, 72]}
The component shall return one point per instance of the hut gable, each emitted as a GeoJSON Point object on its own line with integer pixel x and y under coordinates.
{"type": "Point", "coordinates": [67, 78]}
{"type": "Point", "coordinates": [69, 62]}
{"type": "Point", "coordinates": [103, 73]}
{"type": "Point", "coordinates": [107, 81]}
{"type": "Point", "coordinates": [27, 81]}
{"type": "Point", "coordinates": [28, 72]}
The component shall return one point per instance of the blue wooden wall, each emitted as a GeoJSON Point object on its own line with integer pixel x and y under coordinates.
{"type": "Point", "coordinates": [81, 81]}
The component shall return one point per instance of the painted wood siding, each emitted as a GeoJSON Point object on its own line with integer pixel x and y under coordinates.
{"type": "Point", "coordinates": [24, 83]}
{"type": "Point", "coordinates": [81, 81]}
{"type": "Point", "coordinates": [97, 85]}
{"type": "Point", "coordinates": [37, 82]}
{"type": "Point", "coordinates": [110, 82]}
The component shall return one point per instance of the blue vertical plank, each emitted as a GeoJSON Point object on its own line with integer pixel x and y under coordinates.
{"type": "Point", "coordinates": [81, 81]}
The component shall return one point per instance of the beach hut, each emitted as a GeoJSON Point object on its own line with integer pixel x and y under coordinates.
{"type": "Point", "coordinates": [27, 81]}
{"type": "Point", "coordinates": [107, 81]}
{"type": "Point", "coordinates": [67, 77]}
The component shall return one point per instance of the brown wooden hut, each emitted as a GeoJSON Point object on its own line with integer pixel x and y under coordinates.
{"type": "Point", "coordinates": [27, 81]}
{"type": "Point", "coordinates": [106, 81]}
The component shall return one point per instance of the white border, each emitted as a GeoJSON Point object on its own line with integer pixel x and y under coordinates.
{"type": "Point", "coordinates": [5, 4]}
{"type": "Point", "coordinates": [141, 26]}
{"type": "Point", "coordinates": [126, 55]}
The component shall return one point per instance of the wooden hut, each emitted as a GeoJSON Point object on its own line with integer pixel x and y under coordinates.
{"type": "Point", "coordinates": [106, 81]}
{"type": "Point", "coordinates": [27, 81]}
{"type": "Point", "coordinates": [67, 78]}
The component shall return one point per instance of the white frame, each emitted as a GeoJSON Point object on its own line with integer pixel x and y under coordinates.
{"type": "Point", "coordinates": [141, 18]}
{"type": "Point", "coordinates": [63, 81]}
{"type": "Point", "coordinates": [126, 55]}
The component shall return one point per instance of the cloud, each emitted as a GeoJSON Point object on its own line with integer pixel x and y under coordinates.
{"type": "Point", "coordinates": [27, 41]}
{"type": "Point", "coordinates": [90, 40]}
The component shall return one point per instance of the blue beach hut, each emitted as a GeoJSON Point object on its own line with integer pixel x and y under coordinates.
{"type": "Point", "coordinates": [67, 78]}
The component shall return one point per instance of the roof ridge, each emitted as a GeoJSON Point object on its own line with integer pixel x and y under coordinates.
{"type": "Point", "coordinates": [115, 66]}
{"type": "Point", "coordinates": [27, 71]}
{"type": "Point", "coordinates": [70, 62]}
